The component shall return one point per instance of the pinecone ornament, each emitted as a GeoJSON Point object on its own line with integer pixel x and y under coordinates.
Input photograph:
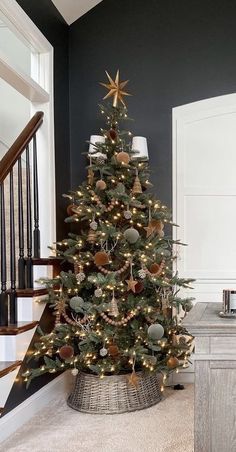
{"type": "Point", "coordinates": [137, 187]}
{"type": "Point", "coordinates": [142, 273]}
{"type": "Point", "coordinates": [80, 277]}
{"type": "Point", "coordinates": [92, 236]}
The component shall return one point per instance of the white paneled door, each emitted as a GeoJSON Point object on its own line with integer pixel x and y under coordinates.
{"type": "Point", "coordinates": [204, 194]}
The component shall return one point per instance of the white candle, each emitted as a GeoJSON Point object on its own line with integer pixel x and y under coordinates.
{"type": "Point", "coordinates": [93, 140]}
{"type": "Point", "coordinates": [139, 144]}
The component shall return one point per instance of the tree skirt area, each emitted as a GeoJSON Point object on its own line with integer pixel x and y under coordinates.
{"type": "Point", "coordinates": [165, 427]}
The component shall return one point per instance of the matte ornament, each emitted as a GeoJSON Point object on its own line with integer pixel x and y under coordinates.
{"type": "Point", "coordinates": [155, 331]}
{"type": "Point", "coordinates": [123, 157]}
{"type": "Point", "coordinates": [115, 88]}
{"type": "Point", "coordinates": [98, 292]}
{"type": "Point", "coordinates": [112, 134]}
{"type": "Point", "coordinates": [66, 352]}
{"type": "Point", "coordinates": [74, 372]}
{"type": "Point", "coordinates": [139, 287]}
{"type": "Point", "coordinates": [93, 225]}
{"type": "Point", "coordinates": [70, 210]}
{"type": "Point", "coordinates": [131, 235]}
{"type": "Point", "coordinates": [131, 284]}
{"type": "Point", "coordinates": [113, 351]}
{"type": "Point", "coordinates": [127, 214]}
{"type": "Point", "coordinates": [76, 302]}
{"type": "Point", "coordinates": [101, 184]}
{"type": "Point", "coordinates": [103, 352]}
{"type": "Point", "coordinates": [133, 379]}
{"type": "Point", "coordinates": [172, 362]}
{"type": "Point", "coordinates": [101, 258]}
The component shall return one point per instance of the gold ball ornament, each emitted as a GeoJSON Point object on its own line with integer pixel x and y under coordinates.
{"type": "Point", "coordinates": [172, 362]}
{"type": "Point", "coordinates": [101, 258]}
{"type": "Point", "coordinates": [101, 184]}
{"type": "Point", "coordinates": [123, 157]}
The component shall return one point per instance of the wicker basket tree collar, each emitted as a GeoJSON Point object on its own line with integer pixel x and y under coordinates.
{"type": "Point", "coordinates": [114, 327]}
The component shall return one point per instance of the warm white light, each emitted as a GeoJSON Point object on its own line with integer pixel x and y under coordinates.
{"type": "Point", "coordinates": [139, 144]}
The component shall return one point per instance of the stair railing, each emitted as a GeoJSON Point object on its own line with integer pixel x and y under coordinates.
{"type": "Point", "coordinates": [19, 230]}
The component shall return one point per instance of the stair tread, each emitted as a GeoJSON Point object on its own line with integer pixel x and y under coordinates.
{"type": "Point", "coordinates": [19, 327]}
{"type": "Point", "coordinates": [46, 260]}
{"type": "Point", "coordinates": [31, 292]}
{"type": "Point", "coordinates": [8, 366]}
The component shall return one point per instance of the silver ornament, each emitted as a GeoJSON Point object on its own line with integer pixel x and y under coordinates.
{"type": "Point", "coordinates": [155, 331]}
{"type": "Point", "coordinates": [93, 225]}
{"type": "Point", "coordinates": [131, 235]}
{"type": "Point", "coordinates": [142, 273]}
{"type": "Point", "coordinates": [74, 371]}
{"type": "Point", "coordinates": [80, 276]}
{"type": "Point", "coordinates": [103, 352]}
{"type": "Point", "coordinates": [98, 292]}
{"type": "Point", "coordinates": [100, 160]}
{"type": "Point", "coordinates": [127, 214]}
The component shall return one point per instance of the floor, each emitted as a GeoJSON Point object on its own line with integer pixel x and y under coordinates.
{"type": "Point", "coordinates": [166, 427]}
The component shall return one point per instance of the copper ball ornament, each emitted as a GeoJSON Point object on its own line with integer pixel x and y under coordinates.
{"type": "Point", "coordinates": [113, 351]}
{"type": "Point", "coordinates": [123, 157]}
{"type": "Point", "coordinates": [101, 184]}
{"type": "Point", "coordinates": [66, 352]}
{"type": "Point", "coordinates": [70, 210]}
{"type": "Point", "coordinates": [112, 134]}
{"type": "Point", "coordinates": [154, 268]}
{"type": "Point", "coordinates": [131, 235]}
{"type": "Point", "coordinates": [101, 258]}
{"type": "Point", "coordinates": [138, 287]}
{"type": "Point", "coordinates": [172, 362]}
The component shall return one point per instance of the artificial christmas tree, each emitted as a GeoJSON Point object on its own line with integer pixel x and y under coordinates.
{"type": "Point", "coordinates": [117, 309]}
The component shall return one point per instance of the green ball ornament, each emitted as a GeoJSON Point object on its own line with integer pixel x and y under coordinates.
{"type": "Point", "coordinates": [155, 331]}
{"type": "Point", "coordinates": [76, 302]}
{"type": "Point", "coordinates": [131, 235]}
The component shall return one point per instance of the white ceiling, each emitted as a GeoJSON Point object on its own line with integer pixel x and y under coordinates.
{"type": "Point", "coordinates": [71, 10]}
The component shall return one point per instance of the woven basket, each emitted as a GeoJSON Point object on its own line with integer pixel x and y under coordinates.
{"type": "Point", "coordinates": [113, 394]}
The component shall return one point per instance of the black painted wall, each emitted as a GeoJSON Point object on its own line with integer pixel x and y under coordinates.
{"type": "Point", "coordinates": [49, 21]}
{"type": "Point", "coordinates": [173, 51]}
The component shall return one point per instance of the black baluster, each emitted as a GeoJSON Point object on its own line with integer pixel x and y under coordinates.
{"type": "Point", "coordinates": [21, 260]}
{"type": "Point", "coordinates": [12, 299]}
{"type": "Point", "coordinates": [36, 201]}
{"type": "Point", "coordinates": [29, 266]}
{"type": "Point", "coordinates": [3, 295]}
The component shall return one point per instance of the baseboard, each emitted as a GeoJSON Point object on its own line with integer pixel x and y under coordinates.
{"type": "Point", "coordinates": [23, 412]}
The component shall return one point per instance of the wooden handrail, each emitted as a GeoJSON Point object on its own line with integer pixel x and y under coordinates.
{"type": "Point", "coordinates": [19, 145]}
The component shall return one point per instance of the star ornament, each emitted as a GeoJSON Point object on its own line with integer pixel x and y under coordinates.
{"type": "Point", "coordinates": [115, 88]}
{"type": "Point", "coordinates": [131, 284]}
{"type": "Point", "coordinates": [133, 379]}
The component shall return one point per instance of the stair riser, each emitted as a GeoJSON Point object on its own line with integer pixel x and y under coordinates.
{"type": "Point", "coordinates": [6, 383]}
{"type": "Point", "coordinates": [29, 309]}
{"type": "Point", "coordinates": [41, 271]}
{"type": "Point", "coordinates": [13, 348]}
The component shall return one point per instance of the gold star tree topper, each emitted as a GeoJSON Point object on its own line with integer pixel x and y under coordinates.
{"type": "Point", "coordinates": [115, 88]}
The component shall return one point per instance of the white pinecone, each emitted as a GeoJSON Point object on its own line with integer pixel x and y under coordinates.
{"type": "Point", "coordinates": [80, 276]}
{"type": "Point", "coordinates": [98, 292]}
{"type": "Point", "coordinates": [93, 225]}
{"type": "Point", "coordinates": [127, 214]}
{"type": "Point", "coordinates": [142, 273]}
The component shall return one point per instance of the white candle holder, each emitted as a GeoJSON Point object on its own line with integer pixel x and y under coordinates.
{"type": "Point", "coordinates": [93, 140]}
{"type": "Point", "coordinates": [139, 144]}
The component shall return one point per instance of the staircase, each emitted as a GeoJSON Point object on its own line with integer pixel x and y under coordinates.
{"type": "Point", "coordinates": [20, 261]}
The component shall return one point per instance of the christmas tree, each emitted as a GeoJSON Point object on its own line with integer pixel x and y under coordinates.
{"type": "Point", "coordinates": [116, 310]}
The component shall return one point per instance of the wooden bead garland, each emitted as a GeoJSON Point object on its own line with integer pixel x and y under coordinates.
{"type": "Point", "coordinates": [116, 272]}
{"type": "Point", "coordinates": [120, 322]}
{"type": "Point", "coordinates": [108, 208]}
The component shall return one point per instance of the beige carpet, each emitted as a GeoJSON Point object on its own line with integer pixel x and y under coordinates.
{"type": "Point", "coordinates": [166, 427]}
